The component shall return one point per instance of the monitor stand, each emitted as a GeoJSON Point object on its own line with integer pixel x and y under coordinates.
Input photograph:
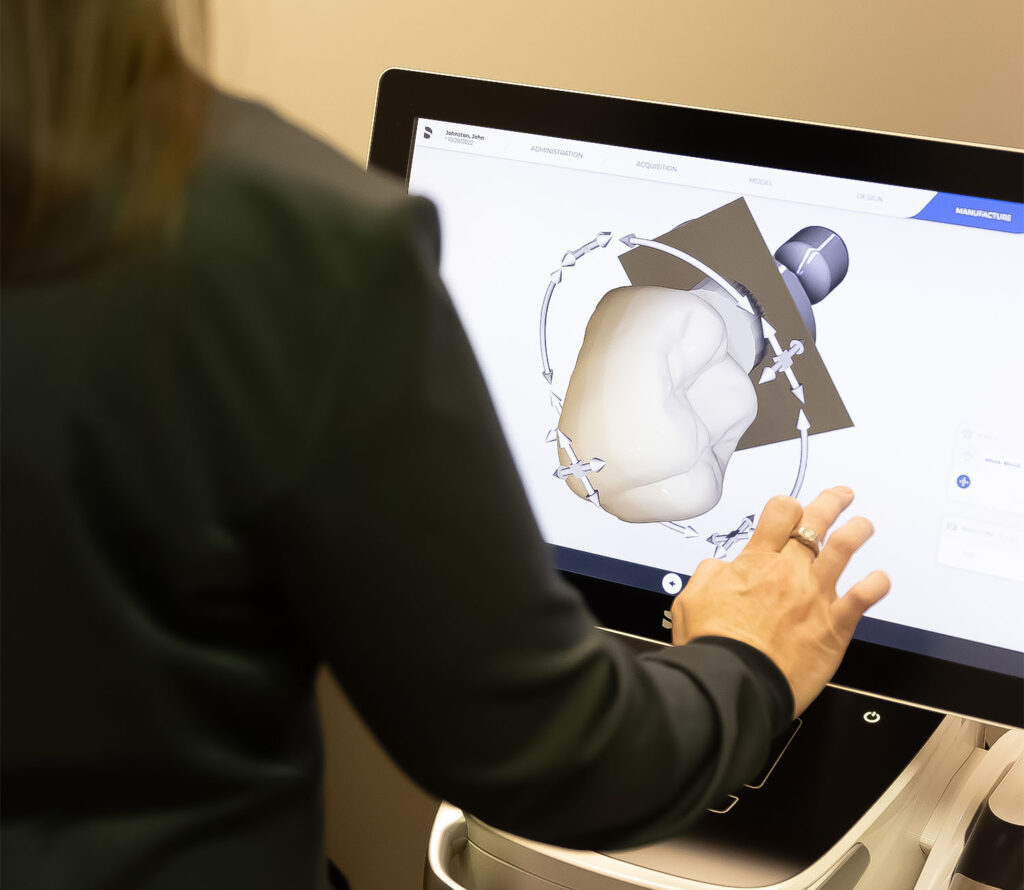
{"type": "Point", "coordinates": [860, 793]}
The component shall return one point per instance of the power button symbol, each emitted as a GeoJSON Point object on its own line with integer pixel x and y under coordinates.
{"type": "Point", "coordinates": [872, 716]}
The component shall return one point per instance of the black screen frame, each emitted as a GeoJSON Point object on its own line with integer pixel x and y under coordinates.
{"type": "Point", "coordinates": [405, 96]}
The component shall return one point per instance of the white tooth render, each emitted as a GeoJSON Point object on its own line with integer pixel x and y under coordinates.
{"type": "Point", "coordinates": [659, 397]}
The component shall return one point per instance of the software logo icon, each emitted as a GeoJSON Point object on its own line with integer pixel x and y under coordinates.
{"type": "Point", "coordinates": [427, 132]}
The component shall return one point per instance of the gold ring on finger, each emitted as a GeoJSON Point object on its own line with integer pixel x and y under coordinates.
{"type": "Point", "coordinates": [808, 537]}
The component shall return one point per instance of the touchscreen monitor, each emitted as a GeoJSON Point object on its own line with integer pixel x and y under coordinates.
{"type": "Point", "coordinates": [680, 313]}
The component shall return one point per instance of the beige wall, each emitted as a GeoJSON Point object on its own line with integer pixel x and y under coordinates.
{"type": "Point", "coordinates": [946, 68]}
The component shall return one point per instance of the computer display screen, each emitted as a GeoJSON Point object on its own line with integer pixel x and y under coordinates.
{"type": "Point", "coordinates": [672, 338]}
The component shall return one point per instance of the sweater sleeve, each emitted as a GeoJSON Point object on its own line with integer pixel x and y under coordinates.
{"type": "Point", "coordinates": [408, 552]}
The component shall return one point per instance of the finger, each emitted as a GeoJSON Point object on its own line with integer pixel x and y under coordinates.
{"type": "Point", "coordinates": [820, 514]}
{"type": "Point", "coordinates": [778, 518]}
{"type": "Point", "coordinates": [847, 610]}
{"type": "Point", "coordinates": [839, 548]}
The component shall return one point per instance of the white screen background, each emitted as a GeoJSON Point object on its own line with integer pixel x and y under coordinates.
{"type": "Point", "coordinates": [923, 340]}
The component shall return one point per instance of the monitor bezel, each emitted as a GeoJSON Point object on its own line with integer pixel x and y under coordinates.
{"type": "Point", "coordinates": [404, 96]}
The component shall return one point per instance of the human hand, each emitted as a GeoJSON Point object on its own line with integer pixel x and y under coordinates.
{"type": "Point", "coordinates": [780, 598]}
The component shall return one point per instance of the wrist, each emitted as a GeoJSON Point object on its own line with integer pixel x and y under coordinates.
{"type": "Point", "coordinates": [778, 692]}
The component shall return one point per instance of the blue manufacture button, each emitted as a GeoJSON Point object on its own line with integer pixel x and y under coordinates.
{"type": "Point", "coordinates": [963, 481]}
{"type": "Point", "coordinates": [982, 213]}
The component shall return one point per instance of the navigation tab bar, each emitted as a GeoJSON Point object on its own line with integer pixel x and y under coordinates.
{"type": "Point", "coordinates": [736, 179]}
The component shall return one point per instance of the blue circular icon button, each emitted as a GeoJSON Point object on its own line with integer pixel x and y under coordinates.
{"type": "Point", "coordinates": [963, 481]}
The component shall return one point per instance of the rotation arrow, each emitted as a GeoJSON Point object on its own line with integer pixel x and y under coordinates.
{"type": "Point", "coordinates": [783, 360]}
{"type": "Point", "coordinates": [769, 333]}
{"type": "Point", "coordinates": [578, 468]}
{"type": "Point", "coordinates": [803, 425]}
{"type": "Point", "coordinates": [724, 540]}
{"type": "Point", "coordinates": [686, 530]}
{"type": "Point", "coordinates": [602, 239]}
{"type": "Point", "coordinates": [554, 279]}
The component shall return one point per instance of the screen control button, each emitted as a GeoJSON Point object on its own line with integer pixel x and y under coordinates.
{"type": "Point", "coordinates": [779, 747]}
{"type": "Point", "coordinates": [672, 583]}
{"type": "Point", "coordinates": [872, 716]}
{"type": "Point", "coordinates": [724, 805]}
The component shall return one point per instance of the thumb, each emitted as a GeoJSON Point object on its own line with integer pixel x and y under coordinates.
{"type": "Point", "coordinates": [680, 632]}
{"type": "Point", "coordinates": [847, 610]}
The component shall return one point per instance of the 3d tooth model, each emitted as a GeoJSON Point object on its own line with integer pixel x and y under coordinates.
{"type": "Point", "coordinates": [657, 394]}
{"type": "Point", "coordinates": [663, 390]}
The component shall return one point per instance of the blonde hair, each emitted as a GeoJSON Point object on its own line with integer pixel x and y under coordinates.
{"type": "Point", "coordinates": [95, 91]}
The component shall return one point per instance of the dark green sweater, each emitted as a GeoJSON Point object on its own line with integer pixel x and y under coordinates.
{"type": "Point", "coordinates": [268, 446]}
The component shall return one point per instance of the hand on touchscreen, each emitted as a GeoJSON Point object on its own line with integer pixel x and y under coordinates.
{"type": "Point", "coordinates": [779, 594]}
